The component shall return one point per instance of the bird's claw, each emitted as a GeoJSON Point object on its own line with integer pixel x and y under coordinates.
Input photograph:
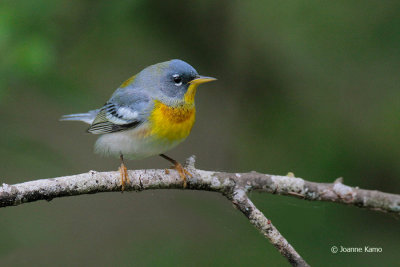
{"type": "Point", "coordinates": [182, 173]}
{"type": "Point", "coordinates": [124, 176]}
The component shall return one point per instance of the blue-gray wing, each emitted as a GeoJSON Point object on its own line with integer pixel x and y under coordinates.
{"type": "Point", "coordinates": [125, 110]}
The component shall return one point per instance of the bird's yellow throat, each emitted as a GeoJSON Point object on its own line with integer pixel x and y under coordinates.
{"type": "Point", "coordinates": [174, 123]}
{"type": "Point", "coordinates": [191, 93]}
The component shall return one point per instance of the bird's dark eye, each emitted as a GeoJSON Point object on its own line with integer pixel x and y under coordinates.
{"type": "Point", "coordinates": [177, 80]}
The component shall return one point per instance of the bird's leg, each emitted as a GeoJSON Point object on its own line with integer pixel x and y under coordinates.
{"type": "Point", "coordinates": [124, 173]}
{"type": "Point", "coordinates": [177, 166]}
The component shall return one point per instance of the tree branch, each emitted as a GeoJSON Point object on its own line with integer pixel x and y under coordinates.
{"type": "Point", "coordinates": [257, 218]}
{"type": "Point", "coordinates": [233, 185]}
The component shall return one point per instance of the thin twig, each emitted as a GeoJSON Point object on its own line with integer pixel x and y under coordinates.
{"type": "Point", "coordinates": [257, 218]}
{"type": "Point", "coordinates": [233, 185]}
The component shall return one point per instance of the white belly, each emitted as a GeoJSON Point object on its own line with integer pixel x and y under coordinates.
{"type": "Point", "coordinates": [133, 144]}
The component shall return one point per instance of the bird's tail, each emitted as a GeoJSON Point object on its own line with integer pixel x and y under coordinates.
{"type": "Point", "coordinates": [85, 117]}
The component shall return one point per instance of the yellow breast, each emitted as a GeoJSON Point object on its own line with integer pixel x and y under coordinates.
{"type": "Point", "coordinates": [172, 123]}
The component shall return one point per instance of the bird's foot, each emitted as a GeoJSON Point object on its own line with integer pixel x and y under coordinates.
{"type": "Point", "coordinates": [179, 168]}
{"type": "Point", "coordinates": [182, 173]}
{"type": "Point", "coordinates": [124, 176]}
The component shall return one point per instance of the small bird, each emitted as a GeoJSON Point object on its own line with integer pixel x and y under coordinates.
{"type": "Point", "coordinates": [149, 114]}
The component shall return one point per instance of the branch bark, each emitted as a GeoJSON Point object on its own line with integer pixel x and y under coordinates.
{"type": "Point", "coordinates": [233, 185]}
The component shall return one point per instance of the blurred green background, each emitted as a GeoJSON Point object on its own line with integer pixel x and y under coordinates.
{"type": "Point", "coordinates": [310, 87]}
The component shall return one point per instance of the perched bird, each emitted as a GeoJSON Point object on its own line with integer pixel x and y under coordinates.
{"type": "Point", "coordinates": [149, 114]}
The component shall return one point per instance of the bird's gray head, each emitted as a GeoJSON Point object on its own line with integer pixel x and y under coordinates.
{"type": "Point", "coordinates": [175, 79]}
{"type": "Point", "coordinates": [170, 79]}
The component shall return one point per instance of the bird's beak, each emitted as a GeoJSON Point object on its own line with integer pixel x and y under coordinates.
{"type": "Point", "coordinates": [202, 79]}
